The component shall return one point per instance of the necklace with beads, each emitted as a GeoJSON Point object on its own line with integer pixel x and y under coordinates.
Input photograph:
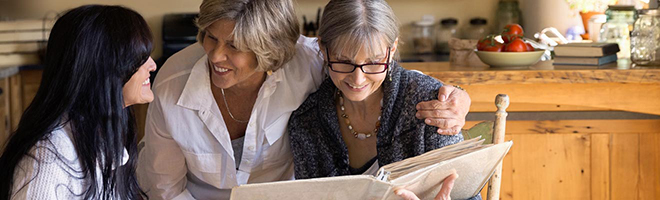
{"type": "Point", "coordinates": [358, 135]}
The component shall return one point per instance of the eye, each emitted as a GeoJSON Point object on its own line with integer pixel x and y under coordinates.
{"type": "Point", "coordinates": [231, 45]}
{"type": "Point", "coordinates": [211, 37]}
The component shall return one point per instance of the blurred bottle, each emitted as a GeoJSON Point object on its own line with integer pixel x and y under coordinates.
{"type": "Point", "coordinates": [594, 24]}
{"type": "Point", "coordinates": [448, 29]}
{"type": "Point", "coordinates": [508, 12]}
{"type": "Point", "coordinates": [645, 38]}
{"type": "Point", "coordinates": [423, 35]}
{"type": "Point", "coordinates": [478, 29]}
{"type": "Point", "coordinates": [617, 28]}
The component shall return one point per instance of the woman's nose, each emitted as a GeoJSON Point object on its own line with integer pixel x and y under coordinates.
{"type": "Point", "coordinates": [152, 66]}
{"type": "Point", "coordinates": [358, 76]}
{"type": "Point", "coordinates": [218, 54]}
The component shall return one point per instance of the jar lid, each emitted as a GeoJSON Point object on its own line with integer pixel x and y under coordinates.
{"type": "Point", "coordinates": [621, 7]}
{"type": "Point", "coordinates": [652, 12]}
{"type": "Point", "coordinates": [478, 21]}
{"type": "Point", "coordinates": [427, 20]}
{"type": "Point", "coordinates": [449, 21]}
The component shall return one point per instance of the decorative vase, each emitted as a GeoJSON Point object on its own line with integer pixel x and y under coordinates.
{"type": "Point", "coordinates": [585, 22]}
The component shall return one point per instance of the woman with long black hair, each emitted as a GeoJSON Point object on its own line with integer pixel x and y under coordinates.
{"type": "Point", "coordinates": [77, 138]}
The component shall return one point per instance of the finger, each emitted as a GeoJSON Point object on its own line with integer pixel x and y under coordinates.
{"type": "Point", "coordinates": [447, 186]}
{"type": "Point", "coordinates": [443, 123]}
{"type": "Point", "coordinates": [437, 114]}
{"type": "Point", "coordinates": [452, 131]}
{"type": "Point", "coordinates": [444, 92]}
{"type": "Point", "coordinates": [406, 194]}
{"type": "Point", "coordinates": [433, 105]}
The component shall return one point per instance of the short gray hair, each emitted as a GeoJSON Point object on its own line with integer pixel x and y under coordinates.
{"type": "Point", "coordinates": [347, 24]}
{"type": "Point", "coordinates": [269, 28]}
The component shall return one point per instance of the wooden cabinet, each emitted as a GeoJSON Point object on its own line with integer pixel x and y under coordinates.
{"type": "Point", "coordinates": [10, 102]}
{"type": "Point", "coordinates": [24, 86]}
{"type": "Point", "coordinates": [612, 158]}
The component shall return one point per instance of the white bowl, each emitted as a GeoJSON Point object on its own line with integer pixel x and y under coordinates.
{"type": "Point", "coordinates": [510, 59]}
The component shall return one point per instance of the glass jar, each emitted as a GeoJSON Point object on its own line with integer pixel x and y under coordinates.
{"type": "Point", "coordinates": [617, 28]}
{"type": "Point", "coordinates": [447, 30]}
{"type": "Point", "coordinates": [626, 11]}
{"type": "Point", "coordinates": [645, 38]}
{"type": "Point", "coordinates": [478, 29]}
{"type": "Point", "coordinates": [508, 12]}
{"type": "Point", "coordinates": [423, 35]}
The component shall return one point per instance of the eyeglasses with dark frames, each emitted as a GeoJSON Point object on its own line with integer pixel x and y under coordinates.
{"type": "Point", "coordinates": [367, 68]}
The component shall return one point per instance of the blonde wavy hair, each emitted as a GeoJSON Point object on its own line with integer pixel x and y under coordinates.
{"type": "Point", "coordinates": [269, 28]}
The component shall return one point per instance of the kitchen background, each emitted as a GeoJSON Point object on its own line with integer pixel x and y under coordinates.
{"type": "Point", "coordinates": [537, 14]}
{"type": "Point", "coordinates": [579, 133]}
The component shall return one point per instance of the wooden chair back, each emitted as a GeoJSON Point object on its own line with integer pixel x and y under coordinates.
{"type": "Point", "coordinates": [492, 132]}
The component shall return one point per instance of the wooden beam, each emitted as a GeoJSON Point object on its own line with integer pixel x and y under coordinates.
{"type": "Point", "coordinates": [638, 97]}
{"type": "Point", "coordinates": [643, 126]}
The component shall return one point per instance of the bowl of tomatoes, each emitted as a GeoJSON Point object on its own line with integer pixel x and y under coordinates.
{"type": "Point", "coordinates": [513, 51]}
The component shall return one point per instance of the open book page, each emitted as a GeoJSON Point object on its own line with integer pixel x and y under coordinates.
{"type": "Point", "coordinates": [474, 167]}
{"type": "Point", "coordinates": [423, 174]}
{"type": "Point", "coordinates": [340, 187]}
{"type": "Point", "coordinates": [409, 165]}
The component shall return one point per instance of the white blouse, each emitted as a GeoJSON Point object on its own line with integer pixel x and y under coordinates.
{"type": "Point", "coordinates": [187, 151]}
{"type": "Point", "coordinates": [57, 173]}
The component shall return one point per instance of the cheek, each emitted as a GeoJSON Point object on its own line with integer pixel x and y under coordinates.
{"type": "Point", "coordinates": [245, 61]}
{"type": "Point", "coordinates": [378, 80]}
{"type": "Point", "coordinates": [336, 78]}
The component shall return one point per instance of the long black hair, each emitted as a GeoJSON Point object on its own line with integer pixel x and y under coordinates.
{"type": "Point", "coordinates": [92, 52]}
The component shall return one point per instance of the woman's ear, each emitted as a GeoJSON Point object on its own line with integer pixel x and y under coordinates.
{"type": "Point", "coordinates": [395, 46]}
{"type": "Point", "coordinates": [321, 47]}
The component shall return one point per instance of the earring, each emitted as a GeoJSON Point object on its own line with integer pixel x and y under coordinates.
{"type": "Point", "coordinates": [389, 74]}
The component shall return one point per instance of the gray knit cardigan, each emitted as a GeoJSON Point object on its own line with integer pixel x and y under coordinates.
{"type": "Point", "coordinates": [317, 144]}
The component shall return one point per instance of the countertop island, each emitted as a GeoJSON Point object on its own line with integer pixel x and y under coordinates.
{"type": "Point", "coordinates": [615, 157]}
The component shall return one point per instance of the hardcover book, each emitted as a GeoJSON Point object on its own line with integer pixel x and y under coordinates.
{"type": "Point", "coordinates": [564, 60]}
{"type": "Point", "coordinates": [586, 49]}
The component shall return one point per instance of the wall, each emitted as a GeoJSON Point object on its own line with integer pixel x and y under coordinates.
{"type": "Point", "coordinates": [408, 11]}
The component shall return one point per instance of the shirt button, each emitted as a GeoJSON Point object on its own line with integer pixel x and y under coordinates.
{"type": "Point", "coordinates": [251, 124]}
{"type": "Point", "coordinates": [251, 148]}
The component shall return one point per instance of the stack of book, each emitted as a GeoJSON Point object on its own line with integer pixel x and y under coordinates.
{"type": "Point", "coordinates": [21, 40]}
{"type": "Point", "coordinates": [585, 53]}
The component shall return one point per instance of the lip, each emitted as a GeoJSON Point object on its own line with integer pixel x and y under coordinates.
{"type": "Point", "coordinates": [148, 84]}
{"type": "Point", "coordinates": [356, 89]}
{"type": "Point", "coordinates": [220, 73]}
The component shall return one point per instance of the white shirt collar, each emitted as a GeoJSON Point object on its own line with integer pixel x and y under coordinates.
{"type": "Point", "coordinates": [197, 93]}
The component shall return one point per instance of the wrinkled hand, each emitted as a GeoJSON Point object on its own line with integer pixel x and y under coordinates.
{"type": "Point", "coordinates": [448, 112]}
{"type": "Point", "coordinates": [444, 193]}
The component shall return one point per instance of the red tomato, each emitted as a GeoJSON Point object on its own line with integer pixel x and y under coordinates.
{"type": "Point", "coordinates": [517, 45]}
{"type": "Point", "coordinates": [529, 47]}
{"type": "Point", "coordinates": [511, 32]}
{"type": "Point", "coordinates": [497, 47]}
{"type": "Point", "coordinates": [489, 43]}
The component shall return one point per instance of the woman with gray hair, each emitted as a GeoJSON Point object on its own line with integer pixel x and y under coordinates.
{"type": "Point", "coordinates": [221, 105]}
{"type": "Point", "coordinates": [363, 115]}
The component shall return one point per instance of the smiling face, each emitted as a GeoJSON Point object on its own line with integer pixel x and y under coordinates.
{"type": "Point", "coordinates": [228, 65]}
{"type": "Point", "coordinates": [138, 89]}
{"type": "Point", "coordinates": [356, 85]}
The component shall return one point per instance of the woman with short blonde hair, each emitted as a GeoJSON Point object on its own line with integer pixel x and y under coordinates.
{"type": "Point", "coordinates": [269, 29]}
{"type": "Point", "coordinates": [222, 105]}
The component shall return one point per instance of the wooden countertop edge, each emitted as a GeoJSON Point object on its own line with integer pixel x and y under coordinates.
{"type": "Point", "coordinates": [483, 75]}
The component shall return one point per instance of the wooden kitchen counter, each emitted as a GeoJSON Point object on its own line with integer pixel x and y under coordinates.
{"type": "Point", "coordinates": [544, 87]}
{"type": "Point", "coordinates": [613, 158]}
